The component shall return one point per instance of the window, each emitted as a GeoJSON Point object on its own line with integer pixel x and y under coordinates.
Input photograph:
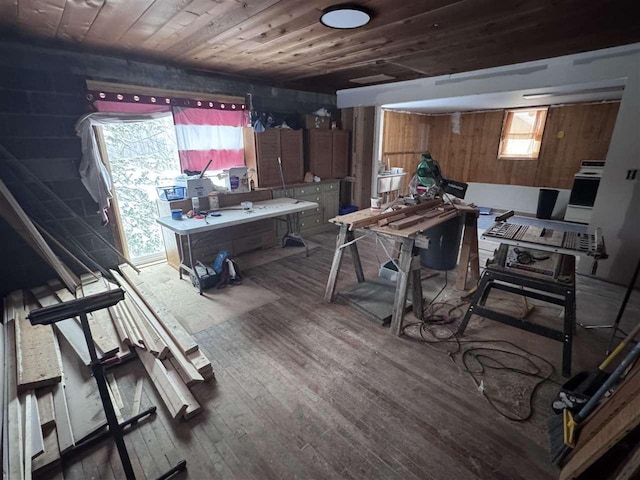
{"type": "Point", "coordinates": [522, 134]}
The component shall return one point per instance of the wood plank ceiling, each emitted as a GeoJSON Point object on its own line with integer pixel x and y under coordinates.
{"type": "Point", "coordinates": [283, 42]}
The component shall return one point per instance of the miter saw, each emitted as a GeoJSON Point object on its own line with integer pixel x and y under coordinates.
{"type": "Point", "coordinates": [429, 176]}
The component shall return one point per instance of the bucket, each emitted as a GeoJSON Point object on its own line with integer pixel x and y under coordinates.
{"type": "Point", "coordinates": [444, 243]}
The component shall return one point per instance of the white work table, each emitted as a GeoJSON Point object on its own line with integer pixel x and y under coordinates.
{"type": "Point", "coordinates": [236, 215]}
{"type": "Point", "coordinates": [229, 217]}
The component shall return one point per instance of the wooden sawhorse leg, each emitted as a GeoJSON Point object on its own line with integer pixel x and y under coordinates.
{"type": "Point", "coordinates": [469, 259]}
{"type": "Point", "coordinates": [344, 236]}
{"type": "Point", "coordinates": [405, 274]}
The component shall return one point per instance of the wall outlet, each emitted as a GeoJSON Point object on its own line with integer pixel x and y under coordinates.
{"type": "Point", "coordinates": [631, 174]}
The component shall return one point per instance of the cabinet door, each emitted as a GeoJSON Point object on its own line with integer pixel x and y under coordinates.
{"type": "Point", "coordinates": [331, 204]}
{"type": "Point", "coordinates": [291, 149]}
{"type": "Point", "coordinates": [320, 152]}
{"type": "Point", "coordinates": [340, 160]}
{"type": "Point", "coordinates": [267, 152]}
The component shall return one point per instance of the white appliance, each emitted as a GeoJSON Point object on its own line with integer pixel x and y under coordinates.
{"type": "Point", "coordinates": [584, 191]}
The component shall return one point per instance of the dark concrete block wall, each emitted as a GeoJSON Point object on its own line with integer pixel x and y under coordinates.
{"type": "Point", "coordinates": [41, 98]}
{"type": "Point", "coordinates": [38, 111]}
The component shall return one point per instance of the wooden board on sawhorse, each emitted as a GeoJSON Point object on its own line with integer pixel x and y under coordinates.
{"type": "Point", "coordinates": [410, 239]}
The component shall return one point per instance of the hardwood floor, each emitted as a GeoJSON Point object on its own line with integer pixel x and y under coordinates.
{"type": "Point", "coordinates": [312, 390]}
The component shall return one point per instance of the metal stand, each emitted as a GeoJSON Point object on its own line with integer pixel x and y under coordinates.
{"type": "Point", "coordinates": [295, 237]}
{"type": "Point", "coordinates": [512, 282]}
{"type": "Point", "coordinates": [116, 430]}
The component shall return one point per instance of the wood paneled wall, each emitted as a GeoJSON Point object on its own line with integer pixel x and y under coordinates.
{"type": "Point", "coordinates": [572, 133]}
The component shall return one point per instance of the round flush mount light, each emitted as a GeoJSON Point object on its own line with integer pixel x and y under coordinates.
{"type": "Point", "coordinates": [345, 16]}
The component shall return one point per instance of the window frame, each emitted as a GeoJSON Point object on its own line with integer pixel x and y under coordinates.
{"type": "Point", "coordinates": [506, 124]}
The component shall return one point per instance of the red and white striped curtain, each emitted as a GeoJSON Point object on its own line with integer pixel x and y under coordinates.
{"type": "Point", "coordinates": [209, 134]}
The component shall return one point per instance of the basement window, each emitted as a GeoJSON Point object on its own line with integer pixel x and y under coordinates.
{"type": "Point", "coordinates": [522, 134]}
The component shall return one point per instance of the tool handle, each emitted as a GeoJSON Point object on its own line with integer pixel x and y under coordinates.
{"type": "Point", "coordinates": [615, 375]}
{"type": "Point", "coordinates": [620, 347]}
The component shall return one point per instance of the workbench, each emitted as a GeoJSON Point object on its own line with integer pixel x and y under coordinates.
{"type": "Point", "coordinates": [230, 216]}
{"type": "Point", "coordinates": [409, 240]}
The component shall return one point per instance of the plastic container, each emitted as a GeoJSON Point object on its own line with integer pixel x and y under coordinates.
{"type": "Point", "coordinates": [347, 209]}
{"type": "Point", "coordinates": [444, 244]}
{"type": "Point", "coordinates": [546, 202]}
{"type": "Point", "coordinates": [388, 271]}
{"type": "Point", "coordinates": [171, 193]}
{"type": "Point", "coordinates": [176, 214]}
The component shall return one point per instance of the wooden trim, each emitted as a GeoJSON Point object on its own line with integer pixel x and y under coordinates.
{"type": "Point", "coordinates": [116, 225]}
{"type": "Point", "coordinates": [142, 90]}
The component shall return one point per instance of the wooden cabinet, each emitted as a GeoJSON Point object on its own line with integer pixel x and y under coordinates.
{"type": "Point", "coordinates": [340, 153]}
{"type": "Point", "coordinates": [326, 194]}
{"type": "Point", "coordinates": [327, 153]}
{"type": "Point", "coordinates": [271, 144]}
{"type": "Point", "coordinates": [291, 152]}
{"type": "Point", "coordinates": [319, 152]}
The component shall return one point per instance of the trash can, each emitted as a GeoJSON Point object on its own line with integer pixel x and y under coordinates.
{"type": "Point", "coordinates": [444, 243]}
{"type": "Point", "coordinates": [546, 202]}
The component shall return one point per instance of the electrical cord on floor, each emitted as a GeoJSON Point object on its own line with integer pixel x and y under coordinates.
{"type": "Point", "coordinates": [477, 359]}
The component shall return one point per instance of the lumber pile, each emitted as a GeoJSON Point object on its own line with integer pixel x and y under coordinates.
{"type": "Point", "coordinates": [50, 401]}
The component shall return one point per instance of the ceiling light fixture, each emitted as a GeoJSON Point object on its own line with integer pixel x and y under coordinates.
{"type": "Point", "coordinates": [345, 16]}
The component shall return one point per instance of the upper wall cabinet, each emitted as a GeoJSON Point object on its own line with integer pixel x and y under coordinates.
{"type": "Point", "coordinates": [327, 153]}
{"type": "Point", "coordinates": [269, 145]}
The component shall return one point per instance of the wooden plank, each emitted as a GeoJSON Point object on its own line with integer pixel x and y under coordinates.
{"type": "Point", "coordinates": [64, 434]}
{"type": "Point", "coordinates": [11, 210]}
{"type": "Point", "coordinates": [611, 433]}
{"type": "Point", "coordinates": [4, 403]}
{"type": "Point", "coordinates": [69, 329]}
{"type": "Point", "coordinates": [51, 455]}
{"type": "Point", "coordinates": [137, 397]}
{"type": "Point", "coordinates": [113, 385]}
{"type": "Point", "coordinates": [139, 319]}
{"type": "Point", "coordinates": [37, 360]}
{"type": "Point", "coordinates": [14, 409]}
{"type": "Point", "coordinates": [86, 414]}
{"type": "Point", "coordinates": [386, 221]}
{"type": "Point", "coordinates": [172, 398]}
{"type": "Point", "coordinates": [34, 439]}
{"type": "Point", "coordinates": [174, 328]}
{"type": "Point", "coordinates": [405, 222]}
{"type": "Point", "coordinates": [193, 407]}
{"type": "Point", "coordinates": [200, 361]}
{"type": "Point", "coordinates": [102, 329]}
{"type": "Point", "coordinates": [136, 317]}
{"type": "Point", "coordinates": [364, 218]}
{"type": "Point", "coordinates": [30, 449]}
{"type": "Point", "coordinates": [46, 410]}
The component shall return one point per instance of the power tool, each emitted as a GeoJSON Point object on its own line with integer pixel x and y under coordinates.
{"type": "Point", "coordinates": [430, 176]}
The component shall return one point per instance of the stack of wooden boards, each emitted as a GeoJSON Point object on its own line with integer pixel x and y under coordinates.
{"type": "Point", "coordinates": [610, 423]}
{"type": "Point", "coordinates": [50, 400]}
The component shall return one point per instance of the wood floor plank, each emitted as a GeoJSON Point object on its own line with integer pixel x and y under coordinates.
{"type": "Point", "coordinates": [313, 390]}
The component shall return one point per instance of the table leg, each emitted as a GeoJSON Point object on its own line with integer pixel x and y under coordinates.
{"type": "Point", "coordinates": [335, 264]}
{"type": "Point", "coordinates": [355, 256]}
{"type": "Point", "coordinates": [193, 266]}
{"type": "Point", "coordinates": [417, 300]}
{"type": "Point", "coordinates": [404, 264]}
{"type": "Point", "coordinates": [469, 254]}
{"type": "Point", "coordinates": [181, 258]}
